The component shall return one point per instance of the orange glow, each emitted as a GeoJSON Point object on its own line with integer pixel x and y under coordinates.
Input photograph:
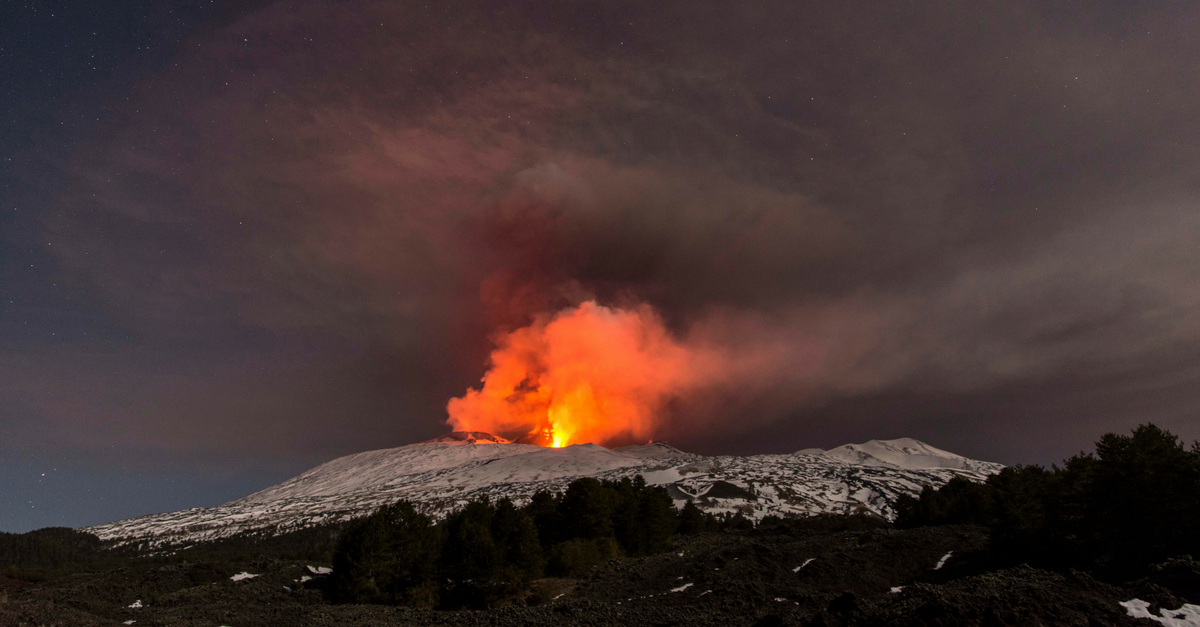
{"type": "Point", "coordinates": [587, 374]}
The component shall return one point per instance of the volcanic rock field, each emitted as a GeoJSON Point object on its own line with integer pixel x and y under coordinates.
{"type": "Point", "coordinates": [823, 571]}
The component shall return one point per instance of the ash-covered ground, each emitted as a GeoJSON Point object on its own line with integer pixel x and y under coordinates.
{"type": "Point", "coordinates": [819, 573]}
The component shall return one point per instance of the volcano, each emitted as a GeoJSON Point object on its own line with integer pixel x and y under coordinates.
{"type": "Point", "coordinates": [442, 474]}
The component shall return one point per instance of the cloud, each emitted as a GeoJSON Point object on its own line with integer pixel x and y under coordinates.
{"type": "Point", "coordinates": [854, 204]}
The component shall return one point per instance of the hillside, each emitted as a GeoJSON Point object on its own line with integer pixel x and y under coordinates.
{"type": "Point", "coordinates": [442, 474]}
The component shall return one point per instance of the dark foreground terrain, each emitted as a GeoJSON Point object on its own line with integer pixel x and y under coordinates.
{"type": "Point", "coordinates": [755, 577]}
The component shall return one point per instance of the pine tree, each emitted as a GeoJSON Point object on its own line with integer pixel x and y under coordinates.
{"type": "Point", "coordinates": [586, 509]}
{"type": "Point", "coordinates": [516, 537]}
{"type": "Point", "coordinates": [387, 557]}
{"type": "Point", "coordinates": [691, 519]}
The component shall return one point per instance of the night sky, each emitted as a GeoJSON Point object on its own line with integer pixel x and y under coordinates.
{"type": "Point", "coordinates": [241, 239]}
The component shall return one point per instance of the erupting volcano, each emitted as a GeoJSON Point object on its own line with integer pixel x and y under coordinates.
{"type": "Point", "coordinates": [587, 374]}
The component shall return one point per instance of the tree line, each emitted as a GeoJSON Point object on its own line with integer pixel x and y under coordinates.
{"type": "Point", "coordinates": [51, 550]}
{"type": "Point", "coordinates": [487, 552]}
{"type": "Point", "coordinates": [56, 551]}
{"type": "Point", "coordinates": [1134, 502]}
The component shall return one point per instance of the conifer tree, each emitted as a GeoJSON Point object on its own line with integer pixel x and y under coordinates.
{"type": "Point", "coordinates": [387, 557]}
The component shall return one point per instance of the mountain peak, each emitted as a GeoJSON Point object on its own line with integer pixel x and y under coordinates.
{"type": "Point", "coordinates": [906, 453]}
{"type": "Point", "coordinates": [468, 437]}
{"type": "Point", "coordinates": [651, 450]}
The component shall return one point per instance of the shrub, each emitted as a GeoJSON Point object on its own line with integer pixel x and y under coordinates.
{"type": "Point", "coordinates": [574, 558]}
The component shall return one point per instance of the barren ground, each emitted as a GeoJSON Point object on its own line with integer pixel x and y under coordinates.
{"type": "Point", "coordinates": [723, 580]}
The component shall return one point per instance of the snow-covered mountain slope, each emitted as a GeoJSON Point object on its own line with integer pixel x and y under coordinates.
{"type": "Point", "coordinates": [442, 474]}
{"type": "Point", "coordinates": [905, 453]}
{"type": "Point", "coordinates": [379, 470]}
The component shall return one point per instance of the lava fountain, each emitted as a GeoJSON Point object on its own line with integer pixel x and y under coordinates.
{"type": "Point", "coordinates": [586, 374]}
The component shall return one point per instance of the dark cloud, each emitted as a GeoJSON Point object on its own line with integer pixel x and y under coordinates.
{"type": "Point", "coordinates": [941, 221]}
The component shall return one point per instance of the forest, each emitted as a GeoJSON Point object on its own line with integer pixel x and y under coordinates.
{"type": "Point", "coordinates": [487, 553]}
{"type": "Point", "coordinates": [1135, 501]}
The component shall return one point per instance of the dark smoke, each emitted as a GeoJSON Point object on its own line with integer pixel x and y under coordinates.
{"type": "Point", "coordinates": [973, 225]}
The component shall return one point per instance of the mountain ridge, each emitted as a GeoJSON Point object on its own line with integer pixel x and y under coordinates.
{"type": "Point", "coordinates": [442, 474]}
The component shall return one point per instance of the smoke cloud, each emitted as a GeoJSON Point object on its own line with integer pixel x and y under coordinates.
{"type": "Point", "coordinates": [797, 225]}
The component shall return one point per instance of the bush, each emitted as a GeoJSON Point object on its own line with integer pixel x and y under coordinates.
{"type": "Point", "coordinates": [573, 558]}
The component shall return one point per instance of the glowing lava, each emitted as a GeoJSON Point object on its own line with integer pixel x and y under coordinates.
{"type": "Point", "coordinates": [587, 374]}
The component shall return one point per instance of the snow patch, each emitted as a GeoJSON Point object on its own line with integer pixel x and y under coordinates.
{"type": "Point", "coordinates": [897, 589]}
{"type": "Point", "coordinates": [243, 575]}
{"type": "Point", "coordinates": [136, 604]}
{"type": "Point", "coordinates": [662, 477]}
{"type": "Point", "coordinates": [942, 562]}
{"type": "Point", "coordinates": [1186, 616]}
{"type": "Point", "coordinates": [683, 587]}
{"type": "Point", "coordinates": [319, 570]}
{"type": "Point", "coordinates": [806, 563]}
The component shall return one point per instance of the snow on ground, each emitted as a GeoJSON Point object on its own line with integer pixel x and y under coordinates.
{"type": "Point", "coordinates": [942, 562]}
{"type": "Point", "coordinates": [1186, 616]}
{"type": "Point", "coordinates": [442, 475]}
{"type": "Point", "coordinates": [242, 576]}
{"type": "Point", "coordinates": [906, 453]}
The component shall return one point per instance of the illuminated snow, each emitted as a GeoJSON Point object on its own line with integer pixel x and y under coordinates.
{"type": "Point", "coordinates": [441, 476]}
